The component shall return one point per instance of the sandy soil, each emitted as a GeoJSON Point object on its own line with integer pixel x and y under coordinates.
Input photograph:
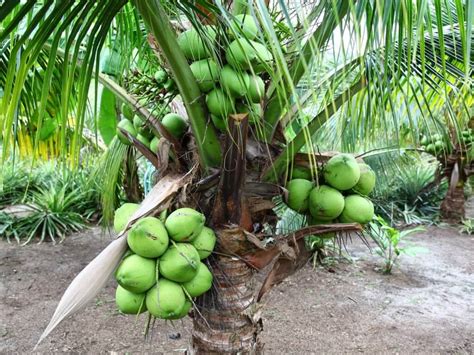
{"type": "Point", "coordinates": [426, 306]}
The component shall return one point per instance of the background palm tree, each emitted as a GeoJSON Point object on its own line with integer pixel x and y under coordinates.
{"type": "Point", "coordinates": [345, 72]}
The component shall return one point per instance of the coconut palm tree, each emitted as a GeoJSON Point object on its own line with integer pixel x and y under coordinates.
{"type": "Point", "coordinates": [361, 68]}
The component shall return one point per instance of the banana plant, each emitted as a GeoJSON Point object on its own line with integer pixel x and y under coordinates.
{"type": "Point", "coordinates": [305, 67]}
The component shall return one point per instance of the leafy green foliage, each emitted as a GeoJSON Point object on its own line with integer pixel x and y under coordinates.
{"type": "Point", "coordinates": [407, 189]}
{"type": "Point", "coordinates": [388, 241]}
{"type": "Point", "coordinates": [59, 201]}
{"type": "Point", "coordinates": [467, 226]}
{"type": "Point", "coordinates": [107, 121]}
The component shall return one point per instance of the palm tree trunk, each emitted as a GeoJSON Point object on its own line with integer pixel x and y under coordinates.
{"type": "Point", "coordinates": [225, 321]}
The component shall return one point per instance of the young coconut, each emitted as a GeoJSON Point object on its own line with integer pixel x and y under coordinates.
{"type": "Point", "coordinates": [342, 172]}
{"type": "Point", "coordinates": [244, 26]}
{"type": "Point", "coordinates": [256, 89]}
{"type": "Point", "coordinates": [219, 103]}
{"type": "Point", "coordinates": [205, 242]}
{"type": "Point", "coordinates": [160, 76]}
{"type": "Point", "coordinates": [123, 214]}
{"type": "Point", "coordinates": [206, 72]}
{"type": "Point", "coordinates": [148, 237]}
{"type": "Point", "coordinates": [234, 82]}
{"type": "Point", "coordinates": [165, 300]}
{"type": "Point", "coordinates": [136, 273]}
{"type": "Point", "coordinates": [240, 54]}
{"type": "Point", "coordinates": [128, 127]}
{"type": "Point", "coordinates": [298, 194]}
{"type": "Point", "coordinates": [263, 59]}
{"type": "Point", "coordinates": [175, 124]}
{"type": "Point", "coordinates": [184, 311]}
{"type": "Point", "coordinates": [357, 209]}
{"type": "Point", "coordinates": [143, 140]}
{"type": "Point", "coordinates": [127, 111]}
{"type": "Point", "coordinates": [180, 262]}
{"type": "Point", "coordinates": [201, 283]}
{"type": "Point", "coordinates": [184, 224]}
{"type": "Point", "coordinates": [192, 44]}
{"type": "Point", "coordinates": [219, 122]}
{"type": "Point", "coordinates": [155, 144]}
{"type": "Point", "coordinates": [128, 302]}
{"type": "Point", "coordinates": [325, 203]}
{"type": "Point", "coordinates": [366, 182]}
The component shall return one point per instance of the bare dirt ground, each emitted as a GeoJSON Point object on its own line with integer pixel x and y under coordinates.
{"type": "Point", "coordinates": [426, 306]}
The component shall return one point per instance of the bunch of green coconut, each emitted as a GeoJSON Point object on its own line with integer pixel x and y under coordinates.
{"type": "Point", "coordinates": [150, 85]}
{"type": "Point", "coordinates": [163, 269]}
{"type": "Point", "coordinates": [232, 84]}
{"type": "Point", "coordinates": [139, 128]}
{"type": "Point", "coordinates": [340, 196]}
{"type": "Point", "coordinates": [435, 144]}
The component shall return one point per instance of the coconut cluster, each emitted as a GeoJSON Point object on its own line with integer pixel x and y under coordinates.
{"type": "Point", "coordinates": [138, 128]}
{"type": "Point", "coordinates": [340, 196]}
{"type": "Point", "coordinates": [437, 145]}
{"type": "Point", "coordinates": [163, 269]}
{"type": "Point", "coordinates": [232, 84]}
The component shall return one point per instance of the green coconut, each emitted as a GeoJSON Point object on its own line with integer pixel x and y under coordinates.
{"type": "Point", "coordinates": [175, 124]}
{"type": "Point", "coordinates": [127, 111]}
{"type": "Point", "coordinates": [466, 133]}
{"type": "Point", "coordinates": [244, 26]}
{"type": "Point", "coordinates": [123, 214]}
{"type": "Point", "coordinates": [424, 140]}
{"type": "Point", "coordinates": [219, 103]}
{"type": "Point", "coordinates": [256, 89]}
{"type": "Point", "coordinates": [254, 110]}
{"type": "Point", "coordinates": [233, 82]}
{"type": "Point", "coordinates": [184, 311]}
{"type": "Point", "coordinates": [193, 45]}
{"type": "Point", "coordinates": [136, 273]}
{"type": "Point", "coordinates": [325, 203]}
{"type": "Point", "coordinates": [180, 262]}
{"type": "Point", "coordinates": [165, 300]}
{"type": "Point", "coordinates": [342, 172]}
{"type": "Point", "coordinates": [155, 145]}
{"type": "Point", "coordinates": [169, 84]}
{"type": "Point", "coordinates": [298, 194]}
{"type": "Point", "coordinates": [439, 146]}
{"type": "Point", "coordinates": [148, 237]}
{"type": "Point", "coordinates": [219, 122]}
{"type": "Point", "coordinates": [366, 182]}
{"type": "Point", "coordinates": [240, 54]}
{"type": "Point", "coordinates": [263, 59]}
{"type": "Point", "coordinates": [357, 209]}
{"type": "Point", "coordinates": [205, 242]}
{"type": "Point", "coordinates": [206, 72]}
{"type": "Point", "coordinates": [127, 126]}
{"type": "Point", "coordinates": [201, 283]}
{"type": "Point", "coordinates": [430, 148]}
{"type": "Point", "coordinates": [300, 172]}
{"type": "Point", "coordinates": [143, 140]}
{"type": "Point", "coordinates": [160, 76]}
{"type": "Point", "coordinates": [142, 128]}
{"type": "Point", "coordinates": [184, 224]}
{"type": "Point", "coordinates": [128, 302]}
